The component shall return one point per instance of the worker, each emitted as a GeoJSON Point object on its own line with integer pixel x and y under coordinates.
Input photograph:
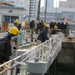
{"type": "Point", "coordinates": [6, 44]}
{"type": "Point", "coordinates": [55, 27]}
{"type": "Point", "coordinates": [16, 23]}
{"type": "Point", "coordinates": [19, 26]}
{"type": "Point", "coordinates": [41, 25]}
{"type": "Point", "coordinates": [55, 30]}
{"type": "Point", "coordinates": [44, 24]}
{"type": "Point", "coordinates": [32, 28]}
{"type": "Point", "coordinates": [42, 37]}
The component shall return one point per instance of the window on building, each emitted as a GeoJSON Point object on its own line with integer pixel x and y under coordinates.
{"type": "Point", "coordinates": [7, 19]}
{"type": "Point", "coordinates": [31, 10]}
{"type": "Point", "coordinates": [33, 15]}
{"type": "Point", "coordinates": [31, 2]}
{"type": "Point", "coordinates": [14, 18]}
{"type": "Point", "coordinates": [10, 11]}
{"type": "Point", "coordinates": [34, 12]}
{"type": "Point", "coordinates": [30, 13]}
{"type": "Point", "coordinates": [10, 19]}
{"type": "Point", "coordinates": [70, 16]}
{"type": "Point", "coordinates": [12, 2]}
{"type": "Point", "coordinates": [34, 2]}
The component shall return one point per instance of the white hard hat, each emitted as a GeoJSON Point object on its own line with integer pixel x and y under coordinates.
{"type": "Point", "coordinates": [33, 19]}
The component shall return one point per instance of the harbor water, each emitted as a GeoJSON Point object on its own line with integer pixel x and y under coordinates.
{"type": "Point", "coordinates": [66, 70]}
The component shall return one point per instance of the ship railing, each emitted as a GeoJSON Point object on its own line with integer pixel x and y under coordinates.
{"type": "Point", "coordinates": [42, 52]}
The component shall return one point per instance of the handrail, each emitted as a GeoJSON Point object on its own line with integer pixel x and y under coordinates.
{"type": "Point", "coordinates": [42, 51]}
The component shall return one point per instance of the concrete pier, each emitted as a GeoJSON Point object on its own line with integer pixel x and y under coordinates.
{"type": "Point", "coordinates": [67, 54]}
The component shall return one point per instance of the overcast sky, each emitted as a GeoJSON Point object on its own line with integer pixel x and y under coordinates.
{"type": "Point", "coordinates": [42, 3]}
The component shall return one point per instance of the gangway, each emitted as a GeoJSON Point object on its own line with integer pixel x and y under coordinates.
{"type": "Point", "coordinates": [35, 61]}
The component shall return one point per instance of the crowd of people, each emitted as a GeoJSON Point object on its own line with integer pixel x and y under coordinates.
{"type": "Point", "coordinates": [42, 28]}
{"type": "Point", "coordinates": [63, 26]}
{"type": "Point", "coordinates": [60, 25]}
{"type": "Point", "coordinates": [53, 28]}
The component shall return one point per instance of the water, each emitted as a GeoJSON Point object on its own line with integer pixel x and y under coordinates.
{"type": "Point", "coordinates": [66, 73]}
{"type": "Point", "coordinates": [72, 29]}
{"type": "Point", "coordinates": [62, 70]}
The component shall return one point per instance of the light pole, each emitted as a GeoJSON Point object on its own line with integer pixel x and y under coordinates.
{"type": "Point", "coordinates": [38, 14]}
{"type": "Point", "coordinates": [29, 13]}
{"type": "Point", "coordinates": [56, 13]}
{"type": "Point", "coordinates": [45, 11]}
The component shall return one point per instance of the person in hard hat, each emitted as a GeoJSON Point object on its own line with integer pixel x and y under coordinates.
{"type": "Point", "coordinates": [13, 30]}
{"type": "Point", "coordinates": [19, 26]}
{"type": "Point", "coordinates": [44, 24]}
{"type": "Point", "coordinates": [32, 28]}
{"type": "Point", "coordinates": [54, 31]}
{"type": "Point", "coordinates": [41, 25]}
{"type": "Point", "coordinates": [55, 27]}
{"type": "Point", "coordinates": [6, 44]}
{"type": "Point", "coordinates": [51, 24]}
{"type": "Point", "coordinates": [32, 23]}
{"type": "Point", "coordinates": [43, 35]}
{"type": "Point", "coordinates": [16, 23]}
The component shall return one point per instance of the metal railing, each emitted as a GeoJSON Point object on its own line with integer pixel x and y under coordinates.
{"type": "Point", "coordinates": [42, 51]}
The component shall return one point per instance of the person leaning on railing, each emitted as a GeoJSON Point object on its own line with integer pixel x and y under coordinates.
{"type": "Point", "coordinates": [54, 31]}
{"type": "Point", "coordinates": [6, 44]}
{"type": "Point", "coordinates": [42, 37]}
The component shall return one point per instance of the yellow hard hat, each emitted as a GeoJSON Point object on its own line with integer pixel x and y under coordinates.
{"type": "Point", "coordinates": [13, 30]}
{"type": "Point", "coordinates": [16, 21]}
{"type": "Point", "coordinates": [55, 27]}
{"type": "Point", "coordinates": [44, 24]}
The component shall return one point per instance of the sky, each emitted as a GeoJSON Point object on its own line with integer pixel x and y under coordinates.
{"type": "Point", "coordinates": [42, 3]}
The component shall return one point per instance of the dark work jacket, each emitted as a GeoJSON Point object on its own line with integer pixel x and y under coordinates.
{"type": "Point", "coordinates": [19, 26]}
{"type": "Point", "coordinates": [43, 36]}
{"type": "Point", "coordinates": [2, 47]}
{"type": "Point", "coordinates": [5, 46]}
{"type": "Point", "coordinates": [40, 26]}
{"type": "Point", "coordinates": [51, 25]}
{"type": "Point", "coordinates": [54, 31]}
{"type": "Point", "coordinates": [32, 24]}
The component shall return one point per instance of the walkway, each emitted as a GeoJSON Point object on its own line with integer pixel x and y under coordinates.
{"type": "Point", "coordinates": [41, 57]}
